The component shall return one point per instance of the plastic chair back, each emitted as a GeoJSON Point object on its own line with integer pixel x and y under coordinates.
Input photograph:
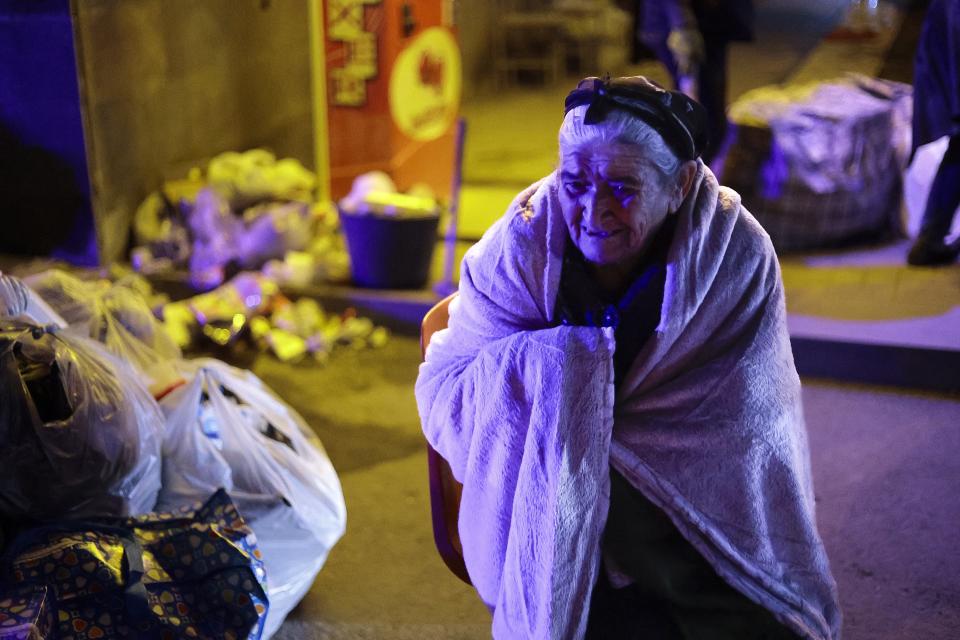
{"type": "Point", "coordinates": [445, 491]}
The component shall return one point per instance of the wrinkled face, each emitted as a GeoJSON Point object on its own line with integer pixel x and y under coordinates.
{"type": "Point", "coordinates": [614, 200]}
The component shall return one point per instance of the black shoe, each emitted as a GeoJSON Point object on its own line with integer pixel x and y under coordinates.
{"type": "Point", "coordinates": [931, 253]}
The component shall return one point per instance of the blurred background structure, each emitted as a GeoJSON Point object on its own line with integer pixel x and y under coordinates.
{"type": "Point", "coordinates": [118, 123]}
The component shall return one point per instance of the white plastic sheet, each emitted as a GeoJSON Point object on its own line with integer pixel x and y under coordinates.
{"type": "Point", "coordinates": [821, 164]}
{"type": "Point", "coordinates": [838, 140]}
{"type": "Point", "coordinates": [226, 429]}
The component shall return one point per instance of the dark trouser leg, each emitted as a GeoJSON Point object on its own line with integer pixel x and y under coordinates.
{"type": "Point", "coordinates": [944, 195]}
{"type": "Point", "coordinates": [662, 52]}
{"type": "Point", "coordinates": [624, 614]}
{"type": "Point", "coordinates": [712, 81]}
{"type": "Point", "coordinates": [713, 93]}
{"type": "Point", "coordinates": [944, 198]}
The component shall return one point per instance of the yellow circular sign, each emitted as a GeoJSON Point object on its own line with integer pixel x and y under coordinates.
{"type": "Point", "coordinates": [425, 85]}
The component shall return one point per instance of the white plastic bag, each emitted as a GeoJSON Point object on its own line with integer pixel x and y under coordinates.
{"type": "Point", "coordinates": [257, 175]}
{"type": "Point", "coordinates": [81, 436]}
{"type": "Point", "coordinates": [226, 429]}
{"type": "Point", "coordinates": [117, 316]}
{"type": "Point", "coordinates": [19, 301]}
{"type": "Point", "coordinates": [916, 186]}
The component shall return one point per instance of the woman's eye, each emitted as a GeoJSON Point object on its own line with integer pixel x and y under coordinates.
{"type": "Point", "coordinates": [622, 191]}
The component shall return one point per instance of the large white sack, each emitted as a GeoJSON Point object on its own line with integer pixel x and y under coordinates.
{"type": "Point", "coordinates": [269, 461]}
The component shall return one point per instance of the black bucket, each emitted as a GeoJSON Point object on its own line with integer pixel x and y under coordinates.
{"type": "Point", "coordinates": [390, 253]}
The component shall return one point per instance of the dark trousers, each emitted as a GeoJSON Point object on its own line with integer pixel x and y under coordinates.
{"type": "Point", "coordinates": [628, 614]}
{"type": "Point", "coordinates": [712, 81]}
{"type": "Point", "coordinates": [944, 195]}
{"type": "Point", "coordinates": [713, 93]}
{"type": "Point", "coordinates": [676, 594]}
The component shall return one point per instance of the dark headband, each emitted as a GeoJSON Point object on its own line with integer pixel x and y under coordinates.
{"type": "Point", "coordinates": [680, 120]}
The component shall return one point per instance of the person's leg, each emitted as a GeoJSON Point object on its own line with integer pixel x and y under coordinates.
{"type": "Point", "coordinates": [712, 81]}
{"type": "Point", "coordinates": [625, 614]}
{"type": "Point", "coordinates": [929, 248]}
{"type": "Point", "coordinates": [662, 52]}
{"type": "Point", "coordinates": [733, 618]}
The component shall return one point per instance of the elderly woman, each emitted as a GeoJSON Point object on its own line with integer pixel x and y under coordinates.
{"type": "Point", "coordinates": [617, 394]}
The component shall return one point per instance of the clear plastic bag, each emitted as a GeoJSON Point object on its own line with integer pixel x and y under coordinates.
{"type": "Point", "coordinates": [81, 435]}
{"type": "Point", "coordinates": [117, 316]}
{"type": "Point", "coordinates": [18, 301]}
{"type": "Point", "coordinates": [226, 429]}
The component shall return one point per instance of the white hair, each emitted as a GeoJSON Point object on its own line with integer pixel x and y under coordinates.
{"type": "Point", "coordinates": [618, 126]}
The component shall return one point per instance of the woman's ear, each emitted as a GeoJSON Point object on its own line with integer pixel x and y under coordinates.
{"type": "Point", "coordinates": [685, 178]}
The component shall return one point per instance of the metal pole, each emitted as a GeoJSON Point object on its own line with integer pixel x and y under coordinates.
{"type": "Point", "coordinates": [446, 286]}
{"type": "Point", "coordinates": [318, 76]}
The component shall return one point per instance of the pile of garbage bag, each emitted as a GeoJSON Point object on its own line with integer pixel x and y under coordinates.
{"type": "Point", "coordinates": [85, 438]}
{"type": "Point", "coordinates": [821, 164]}
{"type": "Point", "coordinates": [116, 315]}
{"type": "Point", "coordinates": [251, 211]}
{"type": "Point", "coordinates": [246, 210]}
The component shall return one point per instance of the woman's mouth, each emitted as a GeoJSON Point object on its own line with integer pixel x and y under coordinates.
{"type": "Point", "coordinates": [601, 234]}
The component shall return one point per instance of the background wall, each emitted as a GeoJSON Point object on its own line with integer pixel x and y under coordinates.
{"type": "Point", "coordinates": [167, 84]}
{"type": "Point", "coordinates": [476, 21]}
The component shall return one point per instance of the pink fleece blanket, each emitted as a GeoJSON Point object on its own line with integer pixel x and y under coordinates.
{"type": "Point", "coordinates": [707, 423]}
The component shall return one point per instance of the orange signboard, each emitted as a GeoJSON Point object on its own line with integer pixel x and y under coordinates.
{"type": "Point", "coordinates": [390, 87]}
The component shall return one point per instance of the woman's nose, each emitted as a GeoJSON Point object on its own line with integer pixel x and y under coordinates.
{"type": "Point", "coordinates": [599, 206]}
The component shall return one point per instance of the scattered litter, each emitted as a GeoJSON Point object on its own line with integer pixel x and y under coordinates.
{"type": "Point", "coordinates": [252, 307]}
